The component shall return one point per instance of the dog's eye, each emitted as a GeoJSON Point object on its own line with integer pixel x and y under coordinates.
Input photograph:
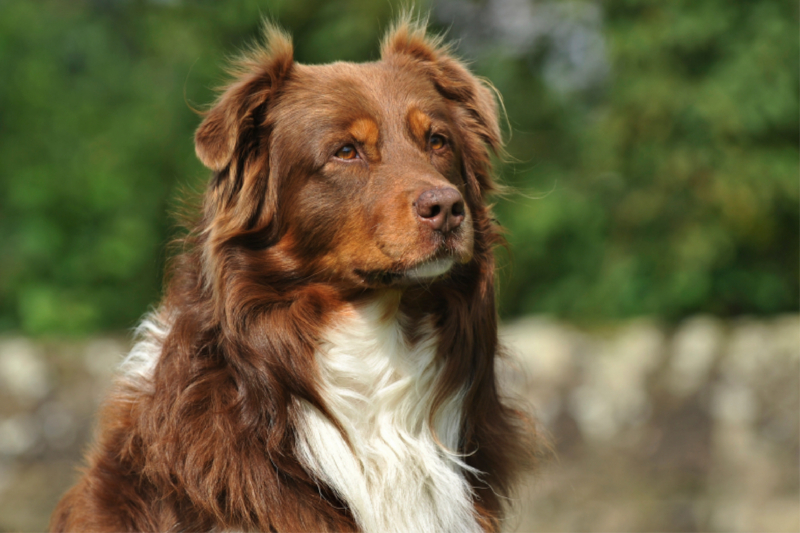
{"type": "Point", "coordinates": [348, 151]}
{"type": "Point", "coordinates": [437, 142]}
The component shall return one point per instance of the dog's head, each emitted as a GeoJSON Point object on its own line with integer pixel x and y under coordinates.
{"type": "Point", "coordinates": [365, 175]}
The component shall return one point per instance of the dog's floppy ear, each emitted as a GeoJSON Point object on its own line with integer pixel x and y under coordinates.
{"type": "Point", "coordinates": [233, 140]}
{"type": "Point", "coordinates": [408, 42]}
{"type": "Point", "coordinates": [237, 112]}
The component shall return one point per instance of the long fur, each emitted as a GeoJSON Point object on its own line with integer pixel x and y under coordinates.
{"type": "Point", "coordinates": [395, 470]}
{"type": "Point", "coordinates": [288, 381]}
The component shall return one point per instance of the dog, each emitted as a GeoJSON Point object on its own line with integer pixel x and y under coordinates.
{"type": "Point", "coordinates": [324, 355]}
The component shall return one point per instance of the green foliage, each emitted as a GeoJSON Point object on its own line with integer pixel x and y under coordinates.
{"type": "Point", "coordinates": [678, 192]}
{"type": "Point", "coordinates": [672, 192]}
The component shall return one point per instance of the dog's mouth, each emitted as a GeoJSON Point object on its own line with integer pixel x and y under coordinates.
{"type": "Point", "coordinates": [425, 271]}
{"type": "Point", "coordinates": [419, 265]}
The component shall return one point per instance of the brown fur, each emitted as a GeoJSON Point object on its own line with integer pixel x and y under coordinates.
{"type": "Point", "coordinates": [287, 236]}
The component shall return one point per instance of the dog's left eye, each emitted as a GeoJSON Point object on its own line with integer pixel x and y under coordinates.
{"type": "Point", "coordinates": [437, 142]}
{"type": "Point", "coordinates": [347, 151]}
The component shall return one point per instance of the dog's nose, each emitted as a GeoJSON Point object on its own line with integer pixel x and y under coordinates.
{"type": "Point", "coordinates": [442, 209]}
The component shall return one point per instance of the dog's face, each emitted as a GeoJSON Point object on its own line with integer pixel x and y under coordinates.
{"type": "Point", "coordinates": [373, 189]}
{"type": "Point", "coordinates": [362, 171]}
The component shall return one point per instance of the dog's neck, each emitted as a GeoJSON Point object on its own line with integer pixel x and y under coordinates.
{"type": "Point", "coordinates": [398, 467]}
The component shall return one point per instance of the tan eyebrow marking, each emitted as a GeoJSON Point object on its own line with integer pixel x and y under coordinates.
{"type": "Point", "coordinates": [365, 131]}
{"type": "Point", "coordinates": [419, 123]}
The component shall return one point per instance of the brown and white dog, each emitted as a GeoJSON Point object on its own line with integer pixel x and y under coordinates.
{"type": "Point", "coordinates": [324, 356]}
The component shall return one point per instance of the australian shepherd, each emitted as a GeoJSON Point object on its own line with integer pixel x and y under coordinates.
{"type": "Point", "coordinates": [324, 356]}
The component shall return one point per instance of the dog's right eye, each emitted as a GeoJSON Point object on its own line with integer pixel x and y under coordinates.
{"type": "Point", "coordinates": [346, 152]}
{"type": "Point", "coordinates": [437, 141]}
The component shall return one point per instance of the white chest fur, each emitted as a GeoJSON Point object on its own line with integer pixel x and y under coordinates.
{"type": "Point", "coordinates": [397, 474]}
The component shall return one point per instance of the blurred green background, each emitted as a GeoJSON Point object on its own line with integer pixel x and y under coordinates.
{"type": "Point", "coordinates": [653, 147]}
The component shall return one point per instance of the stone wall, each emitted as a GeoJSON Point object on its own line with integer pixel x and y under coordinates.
{"type": "Point", "coordinates": [691, 428]}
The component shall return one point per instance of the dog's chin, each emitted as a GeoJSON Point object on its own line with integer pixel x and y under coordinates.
{"type": "Point", "coordinates": [430, 269]}
{"type": "Point", "coordinates": [421, 273]}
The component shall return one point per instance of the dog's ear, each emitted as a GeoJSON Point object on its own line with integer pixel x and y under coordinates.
{"type": "Point", "coordinates": [477, 113]}
{"type": "Point", "coordinates": [233, 140]}
{"type": "Point", "coordinates": [238, 112]}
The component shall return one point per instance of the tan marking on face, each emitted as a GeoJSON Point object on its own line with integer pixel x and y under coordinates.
{"type": "Point", "coordinates": [365, 131]}
{"type": "Point", "coordinates": [419, 123]}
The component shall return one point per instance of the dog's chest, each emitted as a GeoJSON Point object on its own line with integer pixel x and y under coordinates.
{"type": "Point", "coordinates": [397, 473]}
